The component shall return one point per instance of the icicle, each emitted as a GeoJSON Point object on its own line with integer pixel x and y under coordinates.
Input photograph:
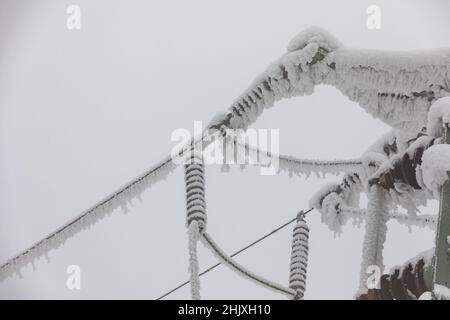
{"type": "Point", "coordinates": [195, 212]}
{"type": "Point", "coordinates": [299, 257]}
{"type": "Point", "coordinates": [409, 221]}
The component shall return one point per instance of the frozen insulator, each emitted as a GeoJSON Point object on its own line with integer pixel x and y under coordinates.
{"type": "Point", "coordinates": [299, 257]}
{"type": "Point", "coordinates": [194, 171]}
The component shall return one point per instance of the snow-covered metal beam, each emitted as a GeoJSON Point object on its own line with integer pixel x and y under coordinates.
{"type": "Point", "coordinates": [441, 275]}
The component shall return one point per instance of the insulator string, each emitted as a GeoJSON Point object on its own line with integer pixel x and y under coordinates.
{"type": "Point", "coordinates": [299, 257]}
{"type": "Point", "coordinates": [194, 171]}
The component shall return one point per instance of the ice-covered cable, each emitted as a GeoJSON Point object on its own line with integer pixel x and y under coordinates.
{"type": "Point", "coordinates": [121, 198]}
{"type": "Point", "coordinates": [193, 236]}
{"type": "Point", "coordinates": [233, 265]}
{"type": "Point", "coordinates": [118, 199]}
{"type": "Point", "coordinates": [299, 257]}
{"type": "Point", "coordinates": [235, 253]}
{"type": "Point", "coordinates": [407, 220]}
{"type": "Point", "coordinates": [297, 166]}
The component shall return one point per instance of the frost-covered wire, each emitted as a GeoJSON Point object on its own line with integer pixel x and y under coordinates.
{"type": "Point", "coordinates": [193, 236]}
{"type": "Point", "coordinates": [233, 265]}
{"type": "Point", "coordinates": [422, 220]}
{"type": "Point", "coordinates": [298, 166]}
{"type": "Point", "coordinates": [320, 167]}
{"type": "Point", "coordinates": [299, 257]}
{"type": "Point", "coordinates": [119, 199]}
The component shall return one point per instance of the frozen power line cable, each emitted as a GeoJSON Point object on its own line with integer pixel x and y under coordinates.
{"type": "Point", "coordinates": [235, 254]}
{"type": "Point", "coordinates": [241, 270]}
{"type": "Point", "coordinates": [307, 165]}
{"type": "Point", "coordinates": [120, 198]}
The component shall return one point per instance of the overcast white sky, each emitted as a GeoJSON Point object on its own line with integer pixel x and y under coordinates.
{"type": "Point", "coordinates": [82, 112]}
